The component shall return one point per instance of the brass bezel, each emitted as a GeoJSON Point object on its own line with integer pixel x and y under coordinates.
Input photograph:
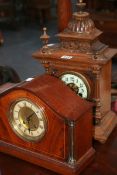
{"type": "Point", "coordinates": [20, 133]}
{"type": "Point", "coordinates": [82, 77]}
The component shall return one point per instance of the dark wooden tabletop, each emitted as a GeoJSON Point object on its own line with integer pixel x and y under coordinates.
{"type": "Point", "coordinates": [105, 162]}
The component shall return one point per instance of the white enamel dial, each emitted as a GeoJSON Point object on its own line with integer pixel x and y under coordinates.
{"type": "Point", "coordinates": [28, 120]}
{"type": "Point", "coordinates": [77, 83]}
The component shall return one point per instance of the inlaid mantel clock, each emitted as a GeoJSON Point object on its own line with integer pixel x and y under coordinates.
{"type": "Point", "coordinates": [84, 64]}
{"type": "Point", "coordinates": [42, 121]}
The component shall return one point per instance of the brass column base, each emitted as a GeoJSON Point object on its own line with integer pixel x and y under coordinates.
{"type": "Point", "coordinates": [108, 123]}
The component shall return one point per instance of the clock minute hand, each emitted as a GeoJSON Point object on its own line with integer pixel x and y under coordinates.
{"type": "Point", "coordinates": [29, 117]}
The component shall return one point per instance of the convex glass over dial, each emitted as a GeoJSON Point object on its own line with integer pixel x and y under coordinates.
{"type": "Point", "coordinates": [77, 83]}
{"type": "Point", "coordinates": [28, 120]}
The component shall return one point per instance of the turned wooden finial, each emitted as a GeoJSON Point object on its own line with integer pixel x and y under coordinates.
{"type": "Point", "coordinates": [81, 5]}
{"type": "Point", "coordinates": [45, 39]}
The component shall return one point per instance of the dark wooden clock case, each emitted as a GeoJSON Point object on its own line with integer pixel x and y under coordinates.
{"type": "Point", "coordinates": [98, 75]}
{"type": "Point", "coordinates": [89, 57]}
{"type": "Point", "coordinates": [66, 147]}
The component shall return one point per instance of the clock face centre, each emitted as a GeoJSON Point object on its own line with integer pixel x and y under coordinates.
{"type": "Point", "coordinates": [77, 83]}
{"type": "Point", "coordinates": [28, 120]}
{"type": "Point", "coordinates": [75, 88]}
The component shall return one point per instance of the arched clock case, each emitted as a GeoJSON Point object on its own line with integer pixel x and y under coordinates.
{"type": "Point", "coordinates": [42, 121]}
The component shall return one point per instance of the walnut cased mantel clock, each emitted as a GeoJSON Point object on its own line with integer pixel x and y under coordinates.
{"type": "Point", "coordinates": [42, 121]}
{"type": "Point", "coordinates": [84, 64]}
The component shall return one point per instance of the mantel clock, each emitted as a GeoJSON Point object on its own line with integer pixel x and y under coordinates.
{"type": "Point", "coordinates": [42, 121]}
{"type": "Point", "coordinates": [84, 64]}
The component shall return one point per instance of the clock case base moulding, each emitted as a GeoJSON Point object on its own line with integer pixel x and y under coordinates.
{"type": "Point", "coordinates": [48, 162]}
{"type": "Point", "coordinates": [108, 123]}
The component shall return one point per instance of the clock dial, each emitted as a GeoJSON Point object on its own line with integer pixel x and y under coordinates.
{"type": "Point", "coordinates": [28, 120]}
{"type": "Point", "coordinates": [77, 83]}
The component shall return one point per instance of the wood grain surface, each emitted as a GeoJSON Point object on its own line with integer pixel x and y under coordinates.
{"type": "Point", "coordinates": [65, 147]}
{"type": "Point", "coordinates": [105, 162]}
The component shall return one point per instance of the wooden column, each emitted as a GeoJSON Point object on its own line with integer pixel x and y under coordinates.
{"type": "Point", "coordinates": [64, 13]}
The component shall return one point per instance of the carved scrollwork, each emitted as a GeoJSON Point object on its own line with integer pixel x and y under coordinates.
{"type": "Point", "coordinates": [97, 111]}
{"type": "Point", "coordinates": [46, 65]}
{"type": "Point", "coordinates": [76, 46]}
{"type": "Point", "coordinates": [96, 69]}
